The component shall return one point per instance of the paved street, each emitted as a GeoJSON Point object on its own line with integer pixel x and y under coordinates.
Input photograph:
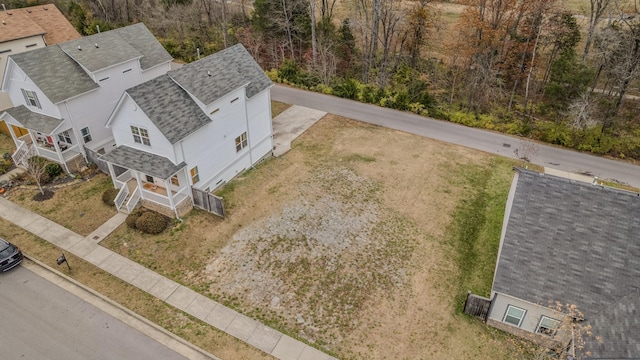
{"type": "Point", "coordinates": [43, 321]}
{"type": "Point", "coordinates": [495, 143]}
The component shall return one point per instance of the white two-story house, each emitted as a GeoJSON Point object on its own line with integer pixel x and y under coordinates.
{"type": "Point", "coordinates": [192, 129]}
{"type": "Point", "coordinates": [64, 94]}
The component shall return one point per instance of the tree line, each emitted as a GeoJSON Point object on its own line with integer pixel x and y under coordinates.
{"type": "Point", "coordinates": [526, 67]}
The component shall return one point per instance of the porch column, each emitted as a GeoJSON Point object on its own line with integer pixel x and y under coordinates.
{"type": "Point", "coordinates": [59, 153]}
{"type": "Point", "coordinates": [137, 175]}
{"type": "Point", "coordinates": [112, 173]}
{"type": "Point", "coordinates": [167, 185]}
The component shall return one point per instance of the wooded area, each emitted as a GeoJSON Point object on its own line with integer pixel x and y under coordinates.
{"type": "Point", "coordinates": [536, 68]}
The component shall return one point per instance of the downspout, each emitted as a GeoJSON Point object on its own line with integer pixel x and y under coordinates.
{"type": "Point", "coordinates": [246, 118]}
{"type": "Point", "coordinates": [79, 143]}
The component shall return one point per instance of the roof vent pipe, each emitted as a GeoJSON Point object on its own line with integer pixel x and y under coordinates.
{"type": "Point", "coordinates": [79, 48]}
{"type": "Point", "coordinates": [97, 45]}
{"type": "Point", "coordinates": [208, 72]}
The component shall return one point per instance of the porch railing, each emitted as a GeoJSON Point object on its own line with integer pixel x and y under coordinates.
{"type": "Point", "coordinates": [21, 153]}
{"type": "Point", "coordinates": [121, 197]}
{"type": "Point", "coordinates": [133, 200]}
{"type": "Point", "coordinates": [123, 178]}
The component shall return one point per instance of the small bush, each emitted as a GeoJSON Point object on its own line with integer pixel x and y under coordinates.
{"type": "Point", "coordinates": [133, 217]}
{"type": "Point", "coordinates": [53, 170]}
{"type": "Point", "coordinates": [5, 165]}
{"type": "Point", "coordinates": [151, 222]}
{"type": "Point", "coordinates": [109, 195]}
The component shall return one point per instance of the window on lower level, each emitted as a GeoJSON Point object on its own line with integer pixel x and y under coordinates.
{"type": "Point", "coordinates": [65, 137]}
{"type": "Point", "coordinates": [150, 179]}
{"type": "Point", "coordinates": [514, 315]}
{"type": "Point", "coordinates": [195, 176]}
{"type": "Point", "coordinates": [241, 141]}
{"type": "Point", "coordinates": [86, 135]}
{"type": "Point", "coordinates": [547, 326]}
{"type": "Point", "coordinates": [174, 180]}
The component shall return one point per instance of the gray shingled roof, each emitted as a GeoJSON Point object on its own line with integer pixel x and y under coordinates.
{"type": "Point", "coordinates": [150, 164]}
{"type": "Point", "coordinates": [138, 36]}
{"type": "Point", "coordinates": [33, 120]}
{"type": "Point", "coordinates": [572, 242]}
{"type": "Point", "coordinates": [56, 70]}
{"type": "Point", "coordinates": [619, 325]}
{"type": "Point", "coordinates": [112, 49]}
{"type": "Point", "coordinates": [228, 69]}
{"type": "Point", "coordinates": [169, 107]}
{"type": "Point", "coordinates": [57, 75]}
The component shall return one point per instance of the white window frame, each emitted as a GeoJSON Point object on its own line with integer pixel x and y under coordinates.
{"type": "Point", "coordinates": [241, 142]}
{"type": "Point", "coordinates": [86, 134]}
{"type": "Point", "coordinates": [140, 135]}
{"type": "Point", "coordinates": [65, 137]}
{"type": "Point", "coordinates": [507, 314]}
{"type": "Point", "coordinates": [31, 98]}
{"type": "Point", "coordinates": [195, 175]}
{"type": "Point", "coordinates": [550, 330]}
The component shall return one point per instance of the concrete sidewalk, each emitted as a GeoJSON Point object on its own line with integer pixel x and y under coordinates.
{"type": "Point", "coordinates": [230, 321]}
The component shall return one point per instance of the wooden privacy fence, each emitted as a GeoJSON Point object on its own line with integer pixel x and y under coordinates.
{"type": "Point", "coordinates": [477, 306]}
{"type": "Point", "coordinates": [209, 202]}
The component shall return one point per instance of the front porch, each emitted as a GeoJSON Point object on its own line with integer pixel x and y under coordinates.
{"type": "Point", "coordinates": [36, 134]}
{"type": "Point", "coordinates": [161, 196]}
{"type": "Point", "coordinates": [70, 157]}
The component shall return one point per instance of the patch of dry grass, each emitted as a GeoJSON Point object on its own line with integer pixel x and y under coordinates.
{"type": "Point", "coordinates": [77, 205]}
{"type": "Point", "coordinates": [343, 242]}
{"type": "Point", "coordinates": [278, 107]}
{"type": "Point", "coordinates": [6, 144]}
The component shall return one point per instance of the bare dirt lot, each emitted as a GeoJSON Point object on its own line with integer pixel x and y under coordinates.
{"type": "Point", "coordinates": [345, 242]}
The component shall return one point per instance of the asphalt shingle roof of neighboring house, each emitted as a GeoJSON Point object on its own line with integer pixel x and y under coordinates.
{"type": "Point", "coordinates": [619, 325]}
{"type": "Point", "coordinates": [33, 120]}
{"type": "Point", "coordinates": [216, 75]}
{"type": "Point", "coordinates": [578, 244]}
{"type": "Point", "coordinates": [56, 69]}
{"type": "Point", "coordinates": [100, 51]}
{"type": "Point", "coordinates": [169, 107]}
{"type": "Point", "coordinates": [138, 36]}
{"type": "Point", "coordinates": [56, 74]}
{"type": "Point", "coordinates": [154, 165]}
{"type": "Point", "coordinates": [17, 25]}
{"type": "Point", "coordinates": [37, 20]}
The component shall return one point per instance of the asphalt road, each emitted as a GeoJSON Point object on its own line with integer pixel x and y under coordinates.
{"type": "Point", "coordinates": [491, 142]}
{"type": "Point", "coordinates": [42, 321]}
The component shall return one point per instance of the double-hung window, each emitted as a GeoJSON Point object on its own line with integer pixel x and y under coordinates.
{"type": "Point", "coordinates": [547, 326]}
{"type": "Point", "coordinates": [31, 98]}
{"type": "Point", "coordinates": [241, 141]}
{"type": "Point", "coordinates": [514, 315]}
{"type": "Point", "coordinates": [140, 135]}
{"type": "Point", "coordinates": [86, 135]}
{"type": "Point", "coordinates": [195, 176]}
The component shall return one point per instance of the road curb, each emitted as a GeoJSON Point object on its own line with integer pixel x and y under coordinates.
{"type": "Point", "coordinates": [204, 354]}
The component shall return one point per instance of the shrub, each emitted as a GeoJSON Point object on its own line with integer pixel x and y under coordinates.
{"type": "Point", "coordinates": [5, 165]}
{"type": "Point", "coordinates": [133, 217]}
{"type": "Point", "coordinates": [109, 195]}
{"type": "Point", "coordinates": [53, 170]}
{"type": "Point", "coordinates": [151, 222]}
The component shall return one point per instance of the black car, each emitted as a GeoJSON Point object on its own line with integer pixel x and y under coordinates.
{"type": "Point", "coordinates": [10, 255]}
